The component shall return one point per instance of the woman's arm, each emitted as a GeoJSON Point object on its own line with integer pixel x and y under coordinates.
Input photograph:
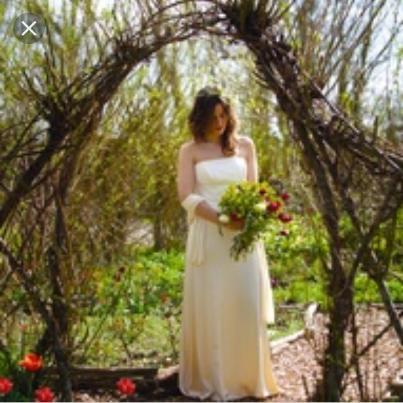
{"type": "Point", "coordinates": [186, 181]}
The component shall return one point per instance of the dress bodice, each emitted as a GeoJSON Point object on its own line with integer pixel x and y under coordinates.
{"type": "Point", "coordinates": [214, 175]}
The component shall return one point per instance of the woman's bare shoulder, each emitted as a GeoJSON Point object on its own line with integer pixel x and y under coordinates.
{"type": "Point", "coordinates": [188, 145]}
{"type": "Point", "coordinates": [244, 140]}
{"type": "Point", "coordinates": [245, 143]}
{"type": "Point", "coordinates": [188, 149]}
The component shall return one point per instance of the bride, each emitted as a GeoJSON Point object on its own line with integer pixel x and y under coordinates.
{"type": "Point", "coordinates": [224, 349]}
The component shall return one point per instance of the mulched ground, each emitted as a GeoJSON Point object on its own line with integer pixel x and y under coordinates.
{"type": "Point", "coordinates": [297, 369]}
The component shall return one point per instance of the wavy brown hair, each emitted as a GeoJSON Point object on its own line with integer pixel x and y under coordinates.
{"type": "Point", "coordinates": [202, 112]}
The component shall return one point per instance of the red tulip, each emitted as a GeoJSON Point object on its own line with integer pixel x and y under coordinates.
{"type": "Point", "coordinates": [273, 206]}
{"type": "Point", "coordinates": [44, 394]}
{"type": "Point", "coordinates": [284, 217]}
{"type": "Point", "coordinates": [234, 217]}
{"type": "Point", "coordinates": [5, 386]}
{"type": "Point", "coordinates": [32, 362]}
{"type": "Point", "coordinates": [126, 386]}
{"type": "Point", "coordinates": [285, 196]}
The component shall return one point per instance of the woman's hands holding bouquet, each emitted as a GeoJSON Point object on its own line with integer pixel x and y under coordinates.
{"type": "Point", "coordinates": [237, 225]}
{"type": "Point", "coordinates": [232, 222]}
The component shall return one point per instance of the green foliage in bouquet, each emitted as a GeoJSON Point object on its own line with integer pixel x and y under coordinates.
{"type": "Point", "coordinates": [255, 203]}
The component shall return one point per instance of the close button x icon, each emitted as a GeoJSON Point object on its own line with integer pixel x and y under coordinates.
{"type": "Point", "coordinates": [29, 28]}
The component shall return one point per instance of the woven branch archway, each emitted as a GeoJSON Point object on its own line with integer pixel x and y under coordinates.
{"type": "Point", "coordinates": [338, 155]}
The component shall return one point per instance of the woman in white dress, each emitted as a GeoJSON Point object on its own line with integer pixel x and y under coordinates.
{"type": "Point", "coordinates": [227, 304]}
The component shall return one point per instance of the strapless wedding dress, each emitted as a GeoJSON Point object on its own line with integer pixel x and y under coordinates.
{"type": "Point", "coordinates": [224, 348]}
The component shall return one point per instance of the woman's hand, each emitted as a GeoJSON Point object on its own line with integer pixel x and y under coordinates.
{"type": "Point", "coordinates": [235, 225]}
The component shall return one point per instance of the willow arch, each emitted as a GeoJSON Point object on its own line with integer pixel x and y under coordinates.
{"type": "Point", "coordinates": [335, 152]}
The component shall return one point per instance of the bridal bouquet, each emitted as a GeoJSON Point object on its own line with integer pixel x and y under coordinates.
{"type": "Point", "coordinates": [257, 204]}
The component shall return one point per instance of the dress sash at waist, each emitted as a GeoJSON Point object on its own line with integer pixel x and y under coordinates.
{"type": "Point", "coordinates": [197, 230]}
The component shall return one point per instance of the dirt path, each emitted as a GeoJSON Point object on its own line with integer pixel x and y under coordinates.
{"type": "Point", "coordinates": [297, 369]}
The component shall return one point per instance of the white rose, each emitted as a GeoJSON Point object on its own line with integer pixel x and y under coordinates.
{"type": "Point", "coordinates": [260, 206]}
{"type": "Point", "coordinates": [223, 218]}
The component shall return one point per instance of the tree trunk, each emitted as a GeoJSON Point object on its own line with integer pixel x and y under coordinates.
{"type": "Point", "coordinates": [339, 313]}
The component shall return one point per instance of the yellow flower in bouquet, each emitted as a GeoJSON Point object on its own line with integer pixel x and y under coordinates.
{"type": "Point", "coordinates": [255, 203]}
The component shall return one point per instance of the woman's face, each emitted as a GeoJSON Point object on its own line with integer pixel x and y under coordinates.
{"type": "Point", "coordinates": [219, 121]}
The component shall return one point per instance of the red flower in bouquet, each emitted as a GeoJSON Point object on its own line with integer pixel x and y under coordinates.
{"type": "Point", "coordinates": [32, 362]}
{"type": "Point", "coordinates": [273, 206]}
{"type": "Point", "coordinates": [126, 386]}
{"type": "Point", "coordinates": [234, 217]}
{"type": "Point", "coordinates": [284, 217]}
{"type": "Point", "coordinates": [44, 394]}
{"type": "Point", "coordinates": [285, 196]}
{"type": "Point", "coordinates": [5, 386]}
